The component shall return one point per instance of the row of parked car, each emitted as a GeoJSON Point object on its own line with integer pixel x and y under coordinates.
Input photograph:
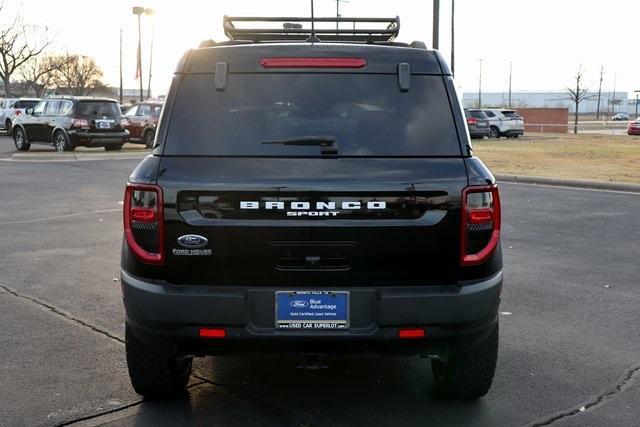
{"type": "Point", "coordinates": [494, 123]}
{"type": "Point", "coordinates": [67, 122]}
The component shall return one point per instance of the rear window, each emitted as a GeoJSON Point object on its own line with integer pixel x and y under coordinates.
{"type": "Point", "coordinates": [98, 109]}
{"type": "Point", "coordinates": [25, 104]}
{"type": "Point", "coordinates": [364, 115]}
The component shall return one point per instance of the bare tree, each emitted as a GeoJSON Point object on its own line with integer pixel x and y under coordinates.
{"type": "Point", "coordinates": [79, 74]}
{"type": "Point", "coordinates": [19, 43]}
{"type": "Point", "coordinates": [39, 73]}
{"type": "Point", "coordinates": [577, 95]}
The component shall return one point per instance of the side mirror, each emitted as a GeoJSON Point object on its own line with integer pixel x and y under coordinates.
{"type": "Point", "coordinates": [29, 111]}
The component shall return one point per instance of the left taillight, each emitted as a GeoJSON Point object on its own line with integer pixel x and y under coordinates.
{"type": "Point", "coordinates": [480, 224]}
{"type": "Point", "coordinates": [144, 222]}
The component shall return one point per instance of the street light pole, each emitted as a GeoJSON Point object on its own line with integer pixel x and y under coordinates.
{"type": "Point", "coordinates": [120, 65]}
{"type": "Point", "coordinates": [436, 23]}
{"type": "Point", "coordinates": [150, 65]}
{"type": "Point", "coordinates": [139, 64]}
{"type": "Point", "coordinates": [637, 91]}
{"type": "Point", "coordinates": [453, 37]}
{"type": "Point", "coordinates": [139, 11]}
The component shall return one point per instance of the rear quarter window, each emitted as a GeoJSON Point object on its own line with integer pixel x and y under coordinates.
{"type": "Point", "coordinates": [365, 115]}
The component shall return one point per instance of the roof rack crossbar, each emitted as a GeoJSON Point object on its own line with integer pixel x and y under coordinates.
{"type": "Point", "coordinates": [293, 32]}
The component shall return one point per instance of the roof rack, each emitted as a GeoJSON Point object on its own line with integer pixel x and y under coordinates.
{"type": "Point", "coordinates": [292, 29]}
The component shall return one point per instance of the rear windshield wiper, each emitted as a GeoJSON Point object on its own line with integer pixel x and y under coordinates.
{"type": "Point", "coordinates": [325, 142]}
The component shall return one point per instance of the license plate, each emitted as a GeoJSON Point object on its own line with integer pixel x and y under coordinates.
{"type": "Point", "coordinates": [312, 310]}
{"type": "Point", "coordinates": [104, 125]}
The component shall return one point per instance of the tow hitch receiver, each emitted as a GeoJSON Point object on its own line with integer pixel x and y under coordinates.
{"type": "Point", "coordinates": [312, 361]}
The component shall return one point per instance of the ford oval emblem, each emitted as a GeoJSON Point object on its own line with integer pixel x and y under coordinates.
{"type": "Point", "coordinates": [298, 304]}
{"type": "Point", "coordinates": [192, 241]}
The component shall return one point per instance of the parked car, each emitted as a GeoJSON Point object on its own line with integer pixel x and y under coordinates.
{"type": "Point", "coordinates": [141, 122]}
{"type": "Point", "coordinates": [12, 108]}
{"type": "Point", "coordinates": [620, 117]}
{"type": "Point", "coordinates": [311, 199]}
{"type": "Point", "coordinates": [633, 128]}
{"type": "Point", "coordinates": [477, 123]}
{"type": "Point", "coordinates": [504, 122]}
{"type": "Point", "coordinates": [68, 122]}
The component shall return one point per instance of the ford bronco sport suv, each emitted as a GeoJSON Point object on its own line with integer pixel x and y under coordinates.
{"type": "Point", "coordinates": [312, 197]}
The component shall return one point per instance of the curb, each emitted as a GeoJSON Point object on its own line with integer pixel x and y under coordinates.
{"type": "Point", "coordinates": [72, 157]}
{"type": "Point", "coordinates": [575, 183]}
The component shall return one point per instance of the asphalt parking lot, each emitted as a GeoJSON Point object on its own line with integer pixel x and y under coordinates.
{"type": "Point", "coordinates": [569, 351]}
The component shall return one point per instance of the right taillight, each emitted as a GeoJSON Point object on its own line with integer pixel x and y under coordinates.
{"type": "Point", "coordinates": [80, 123]}
{"type": "Point", "coordinates": [472, 121]}
{"type": "Point", "coordinates": [143, 222]}
{"type": "Point", "coordinates": [480, 223]}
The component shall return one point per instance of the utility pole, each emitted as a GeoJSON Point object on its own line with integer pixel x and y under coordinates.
{"type": "Point", "coordinates": [510, 73]}
{"type": "Point", "coordinates": [637, 91]}
{"type": "Point", "coordinates": [453, 37]}
{"type": "Point", "coordinates": [599, 92]}
{"type": "Point", "coordinates": [436, 23]}
{"type": "Point", "coordinates": [480, 86]}
{"type": "Point", "coordinates": [150, 65]}
{"type": "Point", "coordinates": [120, 66]}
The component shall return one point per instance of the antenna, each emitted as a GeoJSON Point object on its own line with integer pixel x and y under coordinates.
{"type": "Point", "coordinates": [312, 38]}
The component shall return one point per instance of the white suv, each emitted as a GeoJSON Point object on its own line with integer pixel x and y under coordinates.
{"type": "Point", "coordinates": [504, 123]}
{"type": "Point", "coordinates": [11, 108]}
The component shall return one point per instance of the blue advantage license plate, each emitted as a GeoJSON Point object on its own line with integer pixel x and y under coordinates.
{"type": "Point", "coordinates": [312, 309]}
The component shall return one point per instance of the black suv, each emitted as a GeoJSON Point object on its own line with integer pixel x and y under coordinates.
{"type": "Point", "coordinates": [312, 197]}
{"type": "Point", "coordinates": [67, 122]}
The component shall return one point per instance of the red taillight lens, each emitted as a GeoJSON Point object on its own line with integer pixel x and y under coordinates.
{"type": "Point", "coordinates": [480, 224]}
{"type": "Point", "coordinates": [472, 121]}
{"type": "Point", "coordinates": [313, 62]}
{"type": "Point", "coordinates": [143, 214]}
{"type": "Point", "coordinates": [18, 113]}
{"type": "Point", "coordinates": [80, 123]}
{"type": "Point", "coordinates": [212, 333]}
{"type": "Point", "coordinates": [143, 222]}
{"type": "Point", "coordinates": [411, 333]}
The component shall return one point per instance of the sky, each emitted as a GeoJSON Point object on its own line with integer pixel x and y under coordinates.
{"type": "Point", "coordinates": [546, 41]}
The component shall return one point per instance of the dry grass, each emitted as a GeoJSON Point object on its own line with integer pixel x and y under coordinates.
{"type": "Point", "coordinates": [595, 157]}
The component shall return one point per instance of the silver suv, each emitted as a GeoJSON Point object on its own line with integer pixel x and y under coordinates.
{"type": "Point", "coordinates": [504, 123]}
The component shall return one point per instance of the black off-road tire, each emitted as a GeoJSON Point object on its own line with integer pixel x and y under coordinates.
{"type": "Point", "coordinates": [61, 142]}
{"type": "Point", "coordinates": [113, 147]}
{"type": "Point", "coordinates": [20, 140]}
{"type": "Point", "coordinates": [153, 374]}
{"type": "Point", "coordinates": [468, 375]}
{"type": "Point", "coordinates": [149, 138]}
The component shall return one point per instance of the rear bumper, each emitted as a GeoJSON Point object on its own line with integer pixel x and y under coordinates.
{"type": "Point", "coordinates": [168, 317]}
{"type": "Point", "coordinates": [98, 139]}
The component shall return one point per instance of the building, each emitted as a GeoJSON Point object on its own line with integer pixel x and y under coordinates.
{"type": "Point", "coordinates": [610, 104]}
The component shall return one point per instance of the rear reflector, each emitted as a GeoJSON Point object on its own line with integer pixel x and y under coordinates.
{"type": "Point", "coordinates": [411, 333]}
{"type": "Point", "coordinates": [313, 62]}
{"type": "Point", "coordinates": [212, 333]}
